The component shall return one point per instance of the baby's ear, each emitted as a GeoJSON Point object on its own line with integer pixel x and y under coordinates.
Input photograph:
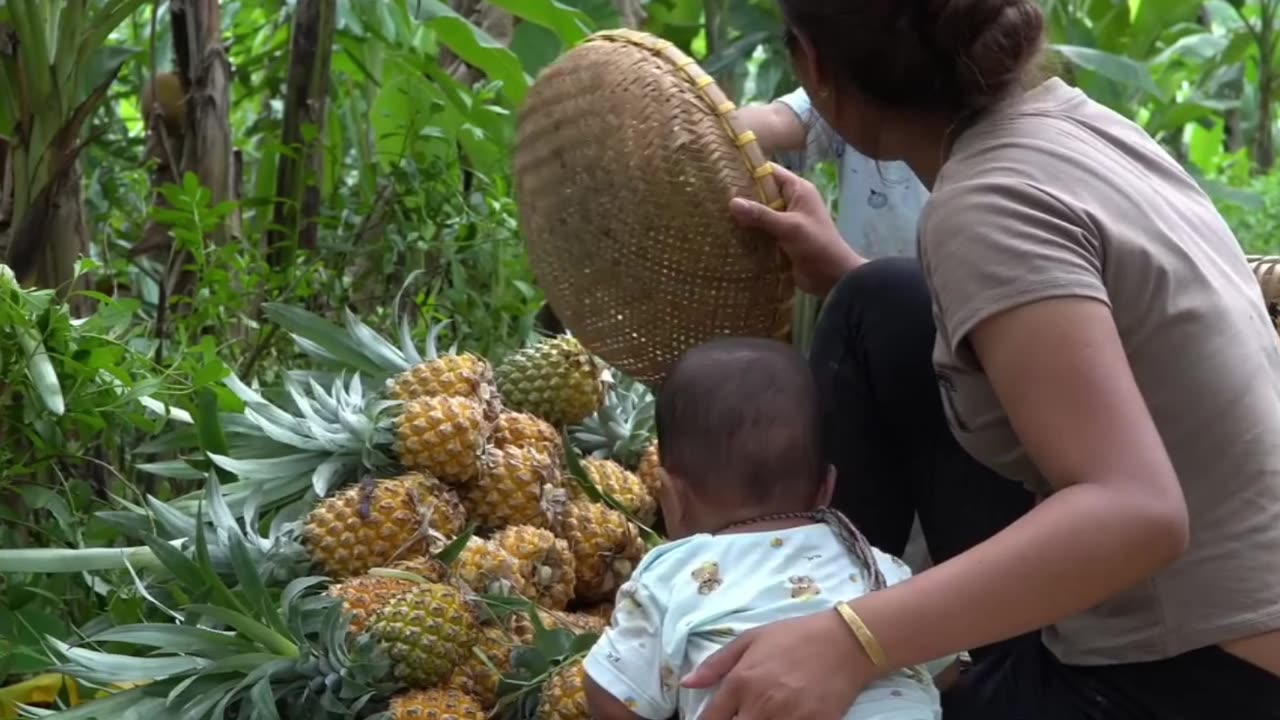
{"type": "Point", "coordinates": [828, 488]}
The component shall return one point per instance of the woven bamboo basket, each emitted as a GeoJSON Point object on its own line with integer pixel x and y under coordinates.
{"type": "Point", "coordinates": [1267, 270]}
{"type": "Point", "coordinates": [627, 154]}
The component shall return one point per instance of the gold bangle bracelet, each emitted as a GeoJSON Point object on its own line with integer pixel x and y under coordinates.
{"type": "Point", "coordinates": [860, 631]}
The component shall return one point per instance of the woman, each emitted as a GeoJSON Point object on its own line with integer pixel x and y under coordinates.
{"type": "Point", "coordinates": [1099, 339]}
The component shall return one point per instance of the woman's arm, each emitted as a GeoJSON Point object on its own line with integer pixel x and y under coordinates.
{"type": "Point", "coordinates": [1061, 374]}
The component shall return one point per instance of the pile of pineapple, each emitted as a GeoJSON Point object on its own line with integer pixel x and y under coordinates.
{"type": "Point", "coordinates": [489, 503]}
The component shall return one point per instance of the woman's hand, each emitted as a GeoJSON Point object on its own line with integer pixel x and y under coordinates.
{"type": "Point", "coordinates": [807, 668]}
{"type": "Point", "coordinates": [804, 231]}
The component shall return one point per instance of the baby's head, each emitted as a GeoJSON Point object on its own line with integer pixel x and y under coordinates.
{"type": "Point", "coordinates": [739, 427]}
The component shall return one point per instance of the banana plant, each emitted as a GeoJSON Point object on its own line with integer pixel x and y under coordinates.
{"type": "Point", "coordinates": [55, 69]}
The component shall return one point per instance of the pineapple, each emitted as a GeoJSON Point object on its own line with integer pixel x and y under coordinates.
{"type": "Point", "coordinates": [474, 676]}
{"type": "Point", "coordinates": [622, 429]}
{"type": "Point", "coordinates": [464, 375]}
{"type": "Point", "coordinates": [436, 704]}
{"type": "Point", "coordinates": [523, 629]}
{"type": "Point", "coordinates": [427, 632]}
{"type": "Point", "coordinates": [363, 595]}
{"type": "Point", "coordinates": [606, 548]}
{"type": "Point", "coordinates": [488, 569]}
{"type": "Point", "coordinates": [427, 567]}
{"type": "Point", "coordinates": [379, 521]}
{"type": "Point", "coordinates": [555, 379]}
{"type": "Point", "coordinates": [650, 470]}
{"type": "Point", "coordinates": [517, 486]}
{"type": "Point", "coordinates": [622, 485]}
{"type": "Point", "coordinates": [545, 561]}
{"type": "Point", "coordinates": [524, 430]}
{"type": "Point", "coordinates": [564, 696]}
{"type": "Point", "coordinates": [444, 436]}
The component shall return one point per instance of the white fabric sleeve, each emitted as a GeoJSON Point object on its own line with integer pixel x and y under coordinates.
{"type": "Point", "coordinates": [821, 142]}
{"type": "Point", "coordinates": [628, 661]}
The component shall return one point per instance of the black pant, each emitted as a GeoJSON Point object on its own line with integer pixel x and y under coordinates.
{"type": "Point", "coordinates": [896, 458]}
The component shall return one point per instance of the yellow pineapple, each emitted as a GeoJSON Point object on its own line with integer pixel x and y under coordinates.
{"type": "Point", "coordinates": [529, 431]}
{"type": "Point", "coordinates": [564, 695]}
{"type": "Point", "coordinates": [555, 379]}
{"type": "Point", "coordinates": [545, 561]}
{"type": "Point", "coordinates": [606, 548]}
{"type": "Point", "coordinates": [436, 704]}
{"type": "Point", "coordinates": [461, 375]}
{"type": "Point", "coordinates": [487, 568]}
{"type": "Point", "coordinates": [426, 632]}
{"type": "Point", "coordinates": [444, 436]}
{"type": "Point", "coordinates": [427, 567]}
{"type": "Point", "coordinates": [474, 676]}
{"type": "Point", "coordinates": [649, 470]}
{"type": "Point", "coordinates": [522, 627]}
{"type": "Point", "coordinates": [622, 485]}
{"type": "Point", "coordinates": [377, 522]}
{"type": "Point", "coordinates": [364, 595]}
{"type": "Point", "coordinates": [517, 486]}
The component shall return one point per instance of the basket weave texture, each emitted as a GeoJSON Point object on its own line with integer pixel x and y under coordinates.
{"type": "Point", "coordinates": [627, 155]}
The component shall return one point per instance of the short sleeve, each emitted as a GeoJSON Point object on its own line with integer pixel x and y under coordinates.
{"type": "Point", "coordinates": [821, 142]}
{"type": "Point", "coordinates": [628, 660]}
{"type": "Point", "coordinates": [991, 245]}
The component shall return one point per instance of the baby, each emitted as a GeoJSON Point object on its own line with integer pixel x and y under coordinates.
{"type": "Point", "coordinates": [744, 493]}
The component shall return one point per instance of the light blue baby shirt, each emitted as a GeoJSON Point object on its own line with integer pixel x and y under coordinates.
{"type": "Point", "coordinates": [880, 202]}
{"type": "Point", "coordinates": [691, 597]}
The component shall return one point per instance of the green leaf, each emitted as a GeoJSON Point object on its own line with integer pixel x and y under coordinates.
{"type": "Point", "coordinates": [252, 586]}
{"type": "Point", "coordinates": [571, 25]}
{"type": "Point", "coordinates": [300, 323]}
{"type": "Point", "coordinates": [259, 633]}
{"type": "Point", "coordinates": [176, 638]}
{"type": "Point", "coordinates": [176, 562]}
{"type": "Point", "coordinates": [108, 668]}
{"type": "Point", "coordinates": [62, 560]}
{"type": "Point", "coordinates": [264, 700]}
{"type": "Point", "coordinates": [450, 553]}
{"type": "Point", "coordinates": [271, 468]}
{"type": "Point", "coordinates": [173, 469]}
{"type": "Point", "coordinates": [476, 47]}
{"type": "Point", "coordinates": [209, 428]}
{"type": "Point", "coordinates": [1129, 73]}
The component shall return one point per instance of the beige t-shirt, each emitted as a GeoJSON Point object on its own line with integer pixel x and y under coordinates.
{"type": "Point", "coordinates": [1054, 195]}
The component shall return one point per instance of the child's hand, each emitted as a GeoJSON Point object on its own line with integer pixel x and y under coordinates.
{"type": "Point", "coordinates": [804, 231]}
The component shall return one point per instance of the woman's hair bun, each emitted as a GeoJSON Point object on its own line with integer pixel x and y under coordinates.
{"type": "Point", "coordinates": [990, 42]}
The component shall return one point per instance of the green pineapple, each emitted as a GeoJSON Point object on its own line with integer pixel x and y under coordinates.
{"type": "Point", "coordinates": [555, 379]}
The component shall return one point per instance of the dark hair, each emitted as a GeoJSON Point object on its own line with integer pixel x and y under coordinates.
{"type": "Point", "coordinates": [741, 416]}
{"type": "Point", "coordinates": [954, 56]}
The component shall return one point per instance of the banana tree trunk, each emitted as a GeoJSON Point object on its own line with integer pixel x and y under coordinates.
{"type": "Point", "coordinates": [208, 150]}
{"type": "Point", "coordinates": [299, 173]}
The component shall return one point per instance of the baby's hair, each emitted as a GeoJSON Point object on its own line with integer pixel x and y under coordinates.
{"type": "Point", "coordinates": [741, 416]}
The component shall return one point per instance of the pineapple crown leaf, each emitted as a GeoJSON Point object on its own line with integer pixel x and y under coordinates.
{"type": "Point", "coordinates": [389, 358]}
{"type": "Point", "coordinates": [322, 339]}
{"type": "Point", "coordinates": [450, 553]}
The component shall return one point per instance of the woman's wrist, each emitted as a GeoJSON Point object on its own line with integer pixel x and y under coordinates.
{"type": "Point", "coordinates": [868, 656]}
{"type": "Point", "coordinates": [841, 265]}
